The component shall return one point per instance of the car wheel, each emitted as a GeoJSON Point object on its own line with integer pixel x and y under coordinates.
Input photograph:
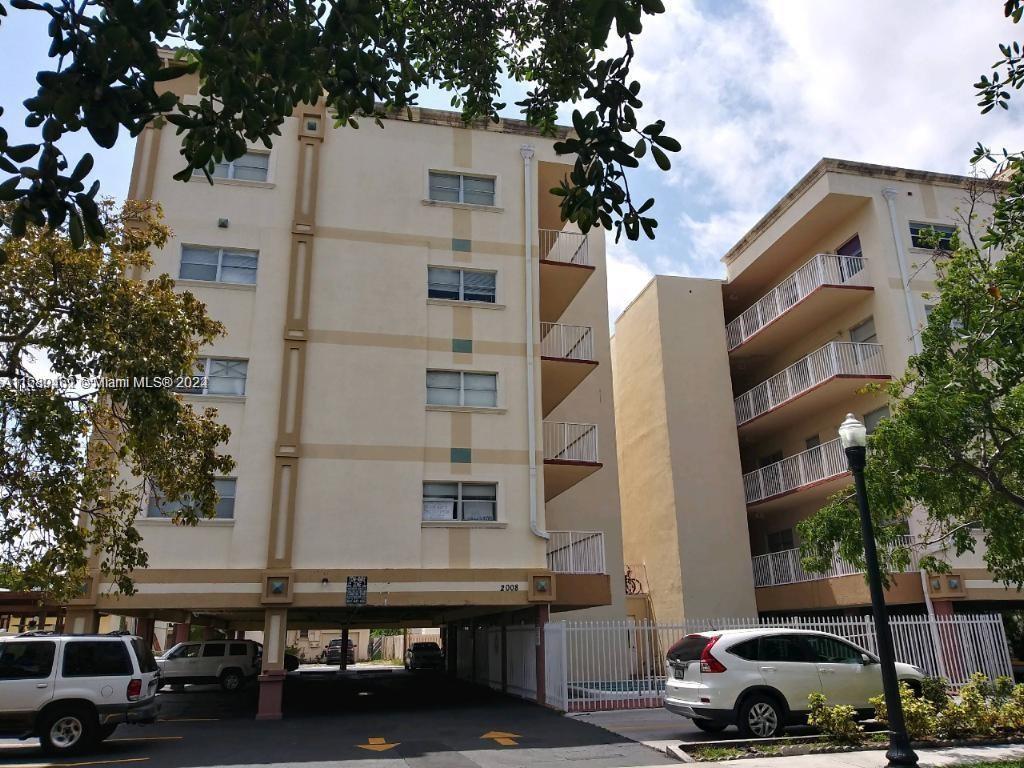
{"type": "Point", "coordinates": [68, 731]}
{"type": "Point", "coordinates": [710, 726]}
{"type": "Point", "coordinates": [761, 717]}
{"type": "Point", "coordinates": [231, 680]}
{"type": "Point", "coordinates": [106, 731]}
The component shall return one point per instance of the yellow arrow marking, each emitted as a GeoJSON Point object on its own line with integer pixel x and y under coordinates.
{"type": "Point", "coordinates": [502, 738]}
{"type": "Point", "coordinates": [377, 744]}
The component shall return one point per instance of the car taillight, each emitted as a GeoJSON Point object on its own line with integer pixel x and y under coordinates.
{"type": "Point", "coordinates": [134, 689]}
{"type": "Point", "coordinates": [709, 663]}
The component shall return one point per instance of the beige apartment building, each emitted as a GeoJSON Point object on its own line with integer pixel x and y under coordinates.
{"type": "Point", "coordinates": [728, 395]}
{"type": "Point", "coordinates": [417, 378]}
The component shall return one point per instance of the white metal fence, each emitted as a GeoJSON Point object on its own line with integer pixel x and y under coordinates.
{"type": "Point", "coordinates": [563, 246]}
{"type": "Point", "coordinates": [784, 567]}
{"type": "Point", "coordinates": [621, 664]}
{"type": "Point", "coordinates": [837, 358]}
{"type": "Point", "coordinates": [821, 462]}
{"type": "Point", "coordinates": [823, 269]}
{"type": "Point", "coordinates": [569, 342]}
{"type": "Point", "coordinates": [566, 441]}
{"type": "Point", "coordinates": [576, 552]}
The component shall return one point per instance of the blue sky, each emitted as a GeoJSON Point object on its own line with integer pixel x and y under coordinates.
{"type": "Point", "coordinates": [756, 90]}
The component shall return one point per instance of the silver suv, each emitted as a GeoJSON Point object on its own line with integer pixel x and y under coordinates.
{"type": "Point", "coordinates": [72, 691]}
{"type": "Point", "coordinates": [228, 662]}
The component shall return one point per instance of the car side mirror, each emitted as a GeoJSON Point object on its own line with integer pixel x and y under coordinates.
{"type": "Point", "coordinates": [866, 660]}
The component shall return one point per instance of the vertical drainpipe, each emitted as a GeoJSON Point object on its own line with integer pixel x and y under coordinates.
{"type": "Point", "coordinates": [915, 339]}
{"type": "Point", "coordinates": [529, 196]}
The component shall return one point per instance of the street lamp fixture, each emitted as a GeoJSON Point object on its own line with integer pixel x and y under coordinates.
{"type": "Point", "coordinates": [853, 436]}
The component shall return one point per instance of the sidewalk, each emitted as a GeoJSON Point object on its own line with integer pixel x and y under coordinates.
{"type": "Point", "coordinates": [876, 759]}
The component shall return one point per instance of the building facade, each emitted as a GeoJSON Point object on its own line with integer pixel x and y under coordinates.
{"type": "Point", "coordinates": [416, 374]}
{"type": "Point", "coordinates": [729, 395]}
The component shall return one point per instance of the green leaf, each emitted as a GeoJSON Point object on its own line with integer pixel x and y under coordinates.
{"type": "Point", "coordinates": [660, 158]}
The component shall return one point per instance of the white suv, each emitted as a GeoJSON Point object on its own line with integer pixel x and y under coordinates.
{"type": "Point", "coordinates": [72, 691]}
{"type": "Point", "coordinates": [228, 662]}
{"type": "Point", "coordinates": [759, 679]}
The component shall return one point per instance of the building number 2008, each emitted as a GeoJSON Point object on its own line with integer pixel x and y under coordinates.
{"type": "Point", "coordinates": [509, 588]}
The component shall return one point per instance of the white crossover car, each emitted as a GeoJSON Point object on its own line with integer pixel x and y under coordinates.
{"type": "Point", "coordinates": [72, 691]}
{"type": "Point", "coordinates": [759, 679]}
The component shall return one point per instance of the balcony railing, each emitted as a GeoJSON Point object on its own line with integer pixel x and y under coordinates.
{"type": "Point", "coordinates": [566, 247]}
{"type": "Point", "coordinates": [837, 358]}
{"type": "Point", "coordinates": [823, 269]}
{"type": "Point", "coordinates": [576, 552]}
{"type": "Point", "coordinates": [819, 463]}
{"type": "Point", "coordinates": [570, 342]}
{"type": "Point", "coordinates": [784, 567]}
{"type": "Point", "coordinates": [565, 441]}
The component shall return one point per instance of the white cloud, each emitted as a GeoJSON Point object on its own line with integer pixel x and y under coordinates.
{"type": "Point", "coordinates": [627, 275]}
{"type": "Point", "coordinates": [758, 92]}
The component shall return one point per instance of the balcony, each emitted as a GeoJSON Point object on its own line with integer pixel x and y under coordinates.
{"type": "Point", "coordinates": [576, 552]}
{"type": "Point", "coordinates": [822, 468]}
{"type": "Point", "coordinates": [564, 268]}
{"type": "Point", "coordinates": [566, 359]}
{"type": "Point", "coordinates": [823, 287]}
{"type": "Point", "coordinates": [784, 567]}
{"type": "Point", "coordinates": [821, 380]}
{"type": "Point", "coordinates": [570, 455]}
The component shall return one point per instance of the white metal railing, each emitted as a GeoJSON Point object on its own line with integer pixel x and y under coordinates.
{"type": "Point", "coordinates": [563, 246]}
{"type": "Point", "coordinates": [784, 567]}
{"type": "Point", "coordinates": [566, 441]}
{"type": "Point", "coordinates": [823, 269]}
{"type": "Point", "coordinates": [837, 358]}
{"type": "Point", "coordinates": [570, 342]}
{"type": "Point", "coordinates": [576, 552]}
{"type": "Point", "coordinates": [818, 463]}
{"type": "Point", "coordinates": [612, 665]}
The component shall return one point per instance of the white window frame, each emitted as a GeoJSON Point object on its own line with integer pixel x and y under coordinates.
{"type": "Point", "coordinates": [205, 374]}
{"type": "Point", "coordinates": [940, 228]}
{"type": "Point", "coordinates": [462, 187]}
{"type": "Point", "coordinates": [231, 169]}
{"type": "Point", "coordinates": [458, 518]}
{"type": "Point", "coordinates": [148, 504]}
{"type": "Point", "coordinates": [220, 262]}
{"type": "Point", "coordinates": [462, 284]}
{"type": "Point", "coordinates": [462, 388]}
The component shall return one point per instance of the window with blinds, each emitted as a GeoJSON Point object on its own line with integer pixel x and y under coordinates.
{"type": "Point", "coordinates": [461, 284]}
{"type": "Point", "coordinates": [460, 188]}
{"type": "Point", "coordinates": [462, 388]}
{"type": "Point", "coordinates": [218, 265]}
{"type": "Point", "coordinates": [470, 502]}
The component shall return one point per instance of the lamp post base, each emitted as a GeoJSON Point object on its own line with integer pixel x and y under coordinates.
{"type": "Point", "coordinates": [900, 752]}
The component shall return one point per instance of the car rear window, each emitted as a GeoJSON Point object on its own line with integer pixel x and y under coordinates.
{"type": "Point", "coordinates": [239, 649]}
{"type": "Point", "coordinates": [745, 650]}
{"type": "Point", "coordinates": [689, 648]}
{"type": "Point", "coordinates": [213, 649]}
{"type": "Point", "coordinates": [96, 658]}
{"type": "Point", "coordinates": [783, 648]}
{"type": "Point", "coordinates": [25, 661]}
{"type": "Point", "coordinates": [145, 656]}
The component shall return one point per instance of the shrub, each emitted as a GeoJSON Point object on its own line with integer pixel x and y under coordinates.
{"type": "Point", "coordinates": [837, 723]}
{"type": "Point", "coordinates": [918, 712]}
{"type": "Point", "coordinates": [936, 691]}
{"type": "Point", "coordinates": [1011, 710]}
{"type": "Point", "coordinates": [975, 714]}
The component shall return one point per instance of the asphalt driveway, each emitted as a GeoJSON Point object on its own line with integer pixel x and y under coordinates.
{"type": "Point", "coordinates": [367, 719]}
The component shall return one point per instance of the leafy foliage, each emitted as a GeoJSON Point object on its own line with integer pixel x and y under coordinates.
{"type": "Point", "coordinates": [954, 443]}
{"type": "Point", "coordinates": [993, 90]}
{"type": "Point", "coordinates": [837, 723]}
{"type": "Point", "coordinates": [935, 690]}
{"type": "Point", "coordinates": [258, 59]}
{"type": "Point", "coordinates": [81, 451]}
{"type": "Point", "coordinates": [918, 713]}
{"type": "Point", "coordinates": [973, 713]}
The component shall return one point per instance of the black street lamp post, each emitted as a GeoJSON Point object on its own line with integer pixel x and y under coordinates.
{"type": "Point", "coordinates": [853, 436]}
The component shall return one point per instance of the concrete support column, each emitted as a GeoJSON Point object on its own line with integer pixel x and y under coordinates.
{"type": "Point", "coordinates": [542, 619]}
{"type": "Point", "coordinates": [146, 629]}
{"type": "Point", "coordinates": [271, 679]}
{"type": "Point", "coordinates": [504, 657]}
{"type": "Point", "coordinates": [182, 630]}
{"type": "Point", "coordinates": [344, 649]}
{"type": "Point", "coordinates": [451, 648]}
{"type": "Point", "coordinates": [81, 621]}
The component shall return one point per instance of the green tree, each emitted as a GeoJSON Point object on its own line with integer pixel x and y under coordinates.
{"type": "Point", "coordinates": [954, 442]}
{"type": "Point", "coordinates": [258, 59]}
{"type": "Point", "coordinates": [82, 451]}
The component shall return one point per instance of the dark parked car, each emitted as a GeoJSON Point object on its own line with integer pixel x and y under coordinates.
{"type": "Point", "coordinates": [424, 656]}
{"type": "Point", "coordinates": [333, 653]}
